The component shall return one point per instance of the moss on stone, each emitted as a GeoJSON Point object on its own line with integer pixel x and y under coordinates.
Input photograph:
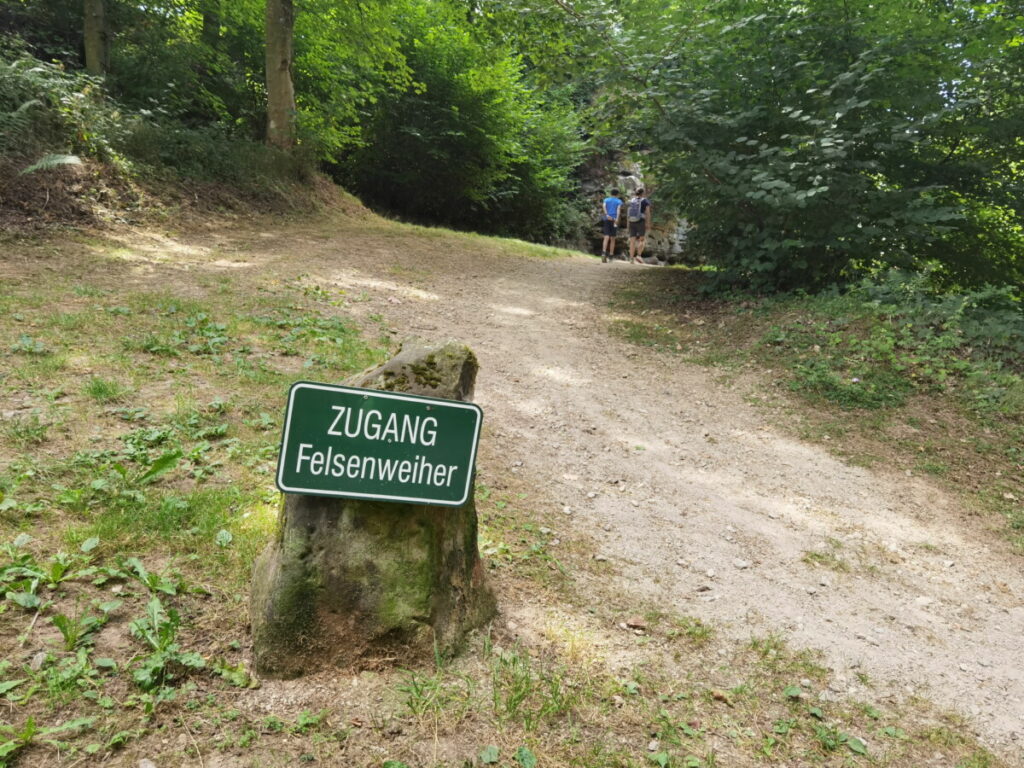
{"type": "Point", "coordinates": [345, 577]}
{"type": "Point", "coordinates": [427, 373]}
{"type": "Point", "coordinates": [392, 382]}
{"type": "Point", "coordinates": [283, 615]}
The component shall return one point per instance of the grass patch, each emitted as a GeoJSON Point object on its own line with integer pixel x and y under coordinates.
{"type": "Point", "coordinates": [106, 390]}
{"type": "Point", "coordinates": [829, 560]}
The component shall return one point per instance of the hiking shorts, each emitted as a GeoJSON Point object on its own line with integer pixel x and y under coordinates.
{"type": "Point", "coordinates": [638, 228]}
{"type": "Point", "coordinates": [608, 227]}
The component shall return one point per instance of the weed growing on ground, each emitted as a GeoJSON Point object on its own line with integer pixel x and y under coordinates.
{"type": "Point", "coordinates": [106, 390]}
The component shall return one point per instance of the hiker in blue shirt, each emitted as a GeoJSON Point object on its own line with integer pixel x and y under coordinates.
{"type": "Point", "coordinates": [609, 224]}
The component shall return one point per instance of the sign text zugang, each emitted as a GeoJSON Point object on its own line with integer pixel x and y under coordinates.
{"type": "Point", "coordinates": [371, 444]}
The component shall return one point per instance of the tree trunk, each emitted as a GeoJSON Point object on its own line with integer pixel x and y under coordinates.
{"type": "Point", "coordinates": [280, 92]}
{"type": "Point", "coordinates": [211, 23]}
{"type": "Point", "coordinates": [95, 30]}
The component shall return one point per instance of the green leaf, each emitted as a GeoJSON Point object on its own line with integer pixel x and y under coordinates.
{"type": "Point", "coordinates": [191, 659]}
{"type": "Point", "coordinates": [26, 600]}
{"type": "Point", "coordinates": [109, 606]}
{"type": "Point", "coordinates": [9, 747]}
{"type": "Point", "coordinates": [70, 725]}
{"type": "Point", "coordinates": [816, 712]}
{"type": "Point", "coordinates": [489, 755]}
{"type": "Point", "coordinates": [49, 162]}
{"type": "Point", "coordinates": [90, 544]}
{"type": "Point", "coordinates": [856, 745]}
{"type": "Point", "coordinates": [792, 691]}
{"type": "Point", "coordinates": [661, 758]}
{"type": "Point", "coordinates": [237, 676]}
{"type": "Point", "coordinates": [10, 685]}
{"type": "Point", "coordinates": [526, 758]}
{"type": "Point", "coordinates": [223, 538]}
{"type": "Point", "coordinates": [161, 466]}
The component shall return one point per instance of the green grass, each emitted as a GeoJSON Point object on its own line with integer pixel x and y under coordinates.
{"type": "Point", "coordinates": [694, 629]}
{"type": "Point", "coordinates": [106, 390]}
{"type": "Point", "coordinates": [26, 430]}
{"type": "Point", "coordinates": [829, 560]}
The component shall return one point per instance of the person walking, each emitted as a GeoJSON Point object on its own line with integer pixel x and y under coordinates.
{"type": "Point", "coordinates": [638, 219]}
{"type": "Point", "coordinates": [609, 224]}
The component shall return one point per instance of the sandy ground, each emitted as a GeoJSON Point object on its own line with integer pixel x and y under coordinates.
{"type": "Point", "coordinates": [696, 499]}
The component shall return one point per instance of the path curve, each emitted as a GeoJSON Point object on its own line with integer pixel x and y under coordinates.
{"type": "Point", "coordinates": [705, 507]}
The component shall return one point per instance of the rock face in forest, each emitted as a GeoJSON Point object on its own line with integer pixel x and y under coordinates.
{"type": "Point", "coordinates": [599, 175]}
{"type": "Point", "coordinates": [355, 583]}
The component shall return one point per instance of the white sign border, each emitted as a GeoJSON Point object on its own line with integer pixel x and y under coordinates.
{"type": "Point", "coordinates": [386, 395]}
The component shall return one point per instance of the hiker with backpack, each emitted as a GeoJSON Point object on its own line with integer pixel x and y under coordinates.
{"type": "Point", "coordinates": [609, 224]}
{"type": "Point", "coordinates": [638, 217]}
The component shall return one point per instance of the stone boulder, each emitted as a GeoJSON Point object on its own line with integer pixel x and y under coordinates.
{"type": "Point", "coordinates": [355, 583]}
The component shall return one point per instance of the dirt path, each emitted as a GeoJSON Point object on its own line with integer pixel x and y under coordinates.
{"type": "Point", "coordinates": [699, 503]}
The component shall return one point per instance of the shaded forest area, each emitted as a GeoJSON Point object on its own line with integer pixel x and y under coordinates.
{"type": "Point", "coordinates": [812, 144]}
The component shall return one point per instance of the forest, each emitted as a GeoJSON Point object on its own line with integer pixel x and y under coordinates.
{"type": "Point", "coordinates": [760, 505]}
{"type": "Point", "coordinates": [809, 144]}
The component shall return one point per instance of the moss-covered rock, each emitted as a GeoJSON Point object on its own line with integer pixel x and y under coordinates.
{"type": "Point", "coordinates": [349, 582]}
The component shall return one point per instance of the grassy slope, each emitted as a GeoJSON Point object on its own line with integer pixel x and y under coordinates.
{"type": "Point", "coordinates": [141, 410]}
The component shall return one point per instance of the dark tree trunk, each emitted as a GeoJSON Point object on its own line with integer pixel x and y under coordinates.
{"type": "Point", "coordinates": [95, 29]}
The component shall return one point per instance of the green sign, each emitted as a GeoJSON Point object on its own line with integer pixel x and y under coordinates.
{"type": "Point", "coordinates": [367, 444]}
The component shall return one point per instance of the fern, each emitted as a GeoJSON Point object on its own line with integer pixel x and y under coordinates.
{"type": "Point", "coordinates": [49, 162]}
{"type": "Point", "coordinates": [44, 109]}
{"type": "Point", "coordinates": [17, 124]}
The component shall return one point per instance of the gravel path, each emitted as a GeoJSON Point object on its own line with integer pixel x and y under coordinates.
{"type": "Point", "coordinates": [701, 503]}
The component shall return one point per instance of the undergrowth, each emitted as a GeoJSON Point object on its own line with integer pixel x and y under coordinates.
{"type": "Point", "coordinates": [51, 117]}
{"type": "Point", "coordinates": [889, 337]}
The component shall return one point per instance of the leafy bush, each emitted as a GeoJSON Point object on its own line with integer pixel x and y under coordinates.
{"type": "Point", "coordinates": [985, 324]}
{"type": "Point", "coordinates": [813, 144]}
{"type": "Point", "coordinates": [468, 144]}
{"type": "Point", "coordinates": [44, 108]}
{"type": "Point", "coordinates": [895, 334]}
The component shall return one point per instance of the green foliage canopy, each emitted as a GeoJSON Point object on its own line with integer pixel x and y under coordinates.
{"type": "Point", "coordinates": [812, 141]}
{"type": "Point", "coordinates": [468, 143]}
